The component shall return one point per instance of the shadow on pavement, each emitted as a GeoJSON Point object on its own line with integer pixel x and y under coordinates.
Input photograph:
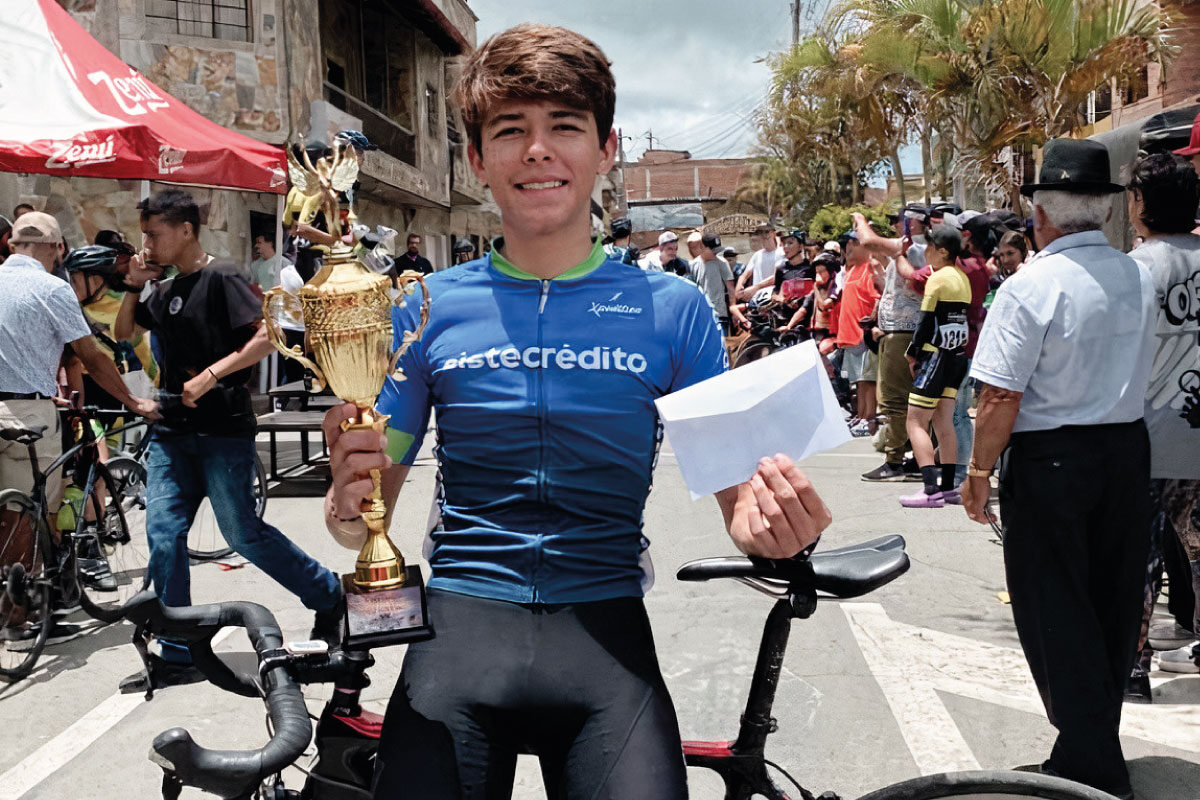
{"type": "Point", "coordinates": [1165, 778]}
{"type": "Point", "coordinates": [72, 655]}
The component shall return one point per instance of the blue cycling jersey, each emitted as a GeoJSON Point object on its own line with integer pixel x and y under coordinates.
{"type": "Point", "coordinates": [547, 431]}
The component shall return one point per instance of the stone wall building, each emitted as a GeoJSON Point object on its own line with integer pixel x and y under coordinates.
{"type": "Point", "coordinates": [276, 69]}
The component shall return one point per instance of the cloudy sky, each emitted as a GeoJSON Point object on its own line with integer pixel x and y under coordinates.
{"type": "Point", "coordinates": [685, 69]}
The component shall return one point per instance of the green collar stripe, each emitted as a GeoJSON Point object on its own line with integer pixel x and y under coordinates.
{"type": "Point", "coordinates": [594, 259]}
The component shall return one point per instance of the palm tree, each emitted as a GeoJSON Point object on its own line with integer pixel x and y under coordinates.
{"type": "Point", "coordinates": [847, 117]}
{"type": "Point", "coordinates": [1004, 73]}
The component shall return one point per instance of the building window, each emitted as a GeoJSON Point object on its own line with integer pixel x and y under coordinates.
{"type": "Point", "coordinates": [214, 19]}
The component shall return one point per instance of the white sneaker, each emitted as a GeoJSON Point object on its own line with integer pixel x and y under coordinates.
{"type": "Point", "coordinates": [1182, 659]}
{"type": "Point", "coordinates": [1169, 635]}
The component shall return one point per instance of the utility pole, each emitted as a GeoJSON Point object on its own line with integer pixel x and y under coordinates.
{"type": "Point", "coordinates": [623, 194]}
{"type": "Point", "coordinates": [796, 22]}
{"type": "Point", "coordinates": [650, 136]}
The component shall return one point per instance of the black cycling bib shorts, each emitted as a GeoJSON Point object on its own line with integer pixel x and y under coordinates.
{"type": "Point", "coordinates": [576, 684]}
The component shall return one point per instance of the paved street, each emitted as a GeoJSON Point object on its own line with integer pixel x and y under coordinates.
{"type": "Point", "coordinates": [922, 676]}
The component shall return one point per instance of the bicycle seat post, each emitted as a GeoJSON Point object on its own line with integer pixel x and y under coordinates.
{"type": "Point", "coordinates": [756, 721]}
{"type": "Point", "coordinates": [31, 446]}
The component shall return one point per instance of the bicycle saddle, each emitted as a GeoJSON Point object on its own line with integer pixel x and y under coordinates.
{"type": "Point", "coordinates": [844, 572]}
{"type": "Point", "coordinates": [23, 435]}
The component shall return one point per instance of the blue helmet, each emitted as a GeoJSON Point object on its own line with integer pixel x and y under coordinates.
{"type": "Point", "coordinates": [355, 139]}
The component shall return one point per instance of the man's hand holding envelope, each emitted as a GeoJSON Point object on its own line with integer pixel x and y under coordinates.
{"type": "Point", "coordinates": [736, 436]}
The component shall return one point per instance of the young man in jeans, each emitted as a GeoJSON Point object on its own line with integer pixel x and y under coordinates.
{"type": "Point", "coordinates": [209, 323]}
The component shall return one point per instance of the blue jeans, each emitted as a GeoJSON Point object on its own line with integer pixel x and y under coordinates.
{"type": "Point", "coordinates": [964, 431]}
{"type": "Point", "coordinates": [183, 469]}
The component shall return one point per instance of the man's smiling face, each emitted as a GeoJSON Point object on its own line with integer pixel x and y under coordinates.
{"type": "Point", "coordinates": [540, 160]}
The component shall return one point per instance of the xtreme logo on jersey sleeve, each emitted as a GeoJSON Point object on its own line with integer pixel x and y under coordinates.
{"type": "Point", "coordinates": [612, 306]}
{"type": "Point", "coordinates": [599, 357]}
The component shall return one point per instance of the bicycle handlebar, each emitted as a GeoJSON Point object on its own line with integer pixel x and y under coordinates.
{"type": "Point", "coordinates": [228, 773]}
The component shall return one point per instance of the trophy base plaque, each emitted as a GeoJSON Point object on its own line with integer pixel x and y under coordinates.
{"type": "Point", "coordinates": [387, 616]}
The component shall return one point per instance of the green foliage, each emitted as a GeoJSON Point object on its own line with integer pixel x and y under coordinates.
{"type": "Point", "coordinates": [977, 76]}
{"type": "Point", "coordinates": [832, 221]}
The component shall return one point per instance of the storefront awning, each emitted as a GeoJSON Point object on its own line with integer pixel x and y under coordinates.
{"type": "Point", "coordinates": [70, 107]}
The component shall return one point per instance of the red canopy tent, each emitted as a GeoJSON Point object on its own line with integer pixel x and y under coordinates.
{"type": "Point", "coordinates": [70, 107]}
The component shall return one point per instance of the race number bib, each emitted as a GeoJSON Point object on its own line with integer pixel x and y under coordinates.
{"type": "Point", "coordinates": [952, 336]}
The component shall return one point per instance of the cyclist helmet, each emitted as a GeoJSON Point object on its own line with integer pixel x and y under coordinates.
{"type": "Point", "coordinates": [355, 139]}
{"type": "Point", "coordinates": [95, 259]}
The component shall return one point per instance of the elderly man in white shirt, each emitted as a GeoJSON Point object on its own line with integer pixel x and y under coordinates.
{"type": "Point", "coordinates": [1064, 359]}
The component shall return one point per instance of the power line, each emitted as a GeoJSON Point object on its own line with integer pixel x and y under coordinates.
{"type": "Point", "coordinates": [713, 120]}
{"type": "Point", "coordinates": [722, 137]}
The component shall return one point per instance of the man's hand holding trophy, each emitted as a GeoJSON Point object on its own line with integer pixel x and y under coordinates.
{"type": "Point", "coordinates": [347, 312]}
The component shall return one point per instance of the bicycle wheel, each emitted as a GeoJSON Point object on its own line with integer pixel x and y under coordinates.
{"type": "Point", "coordinates": [25, 586]}
{"type": "Point", "coordinates": [111, 566]}
{"type": "Point", "coordinates": [205, 542]}
{"type": "Point", "coordinates": [129, 489]}
{"type": "Point", "coordinates": [753, 352]}
{"type": "Point", "coordinates": [987, 785]}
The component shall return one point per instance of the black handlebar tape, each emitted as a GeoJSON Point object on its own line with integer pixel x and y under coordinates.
{"type": "Point", "coordinates": [227, 773]}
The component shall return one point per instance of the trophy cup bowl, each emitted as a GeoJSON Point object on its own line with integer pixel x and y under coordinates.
{"type": "Point", "coordinates": [347, 314]}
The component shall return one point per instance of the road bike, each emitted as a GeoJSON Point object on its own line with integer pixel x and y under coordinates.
{"type": "Point", "coordinates": [89, 560]}
{"type": "Point", "coordinates": [205, 542]}
{"type": "Point", "coordinates": [762, 337]}
{"type": "Point", "coordinates": [347, 736]}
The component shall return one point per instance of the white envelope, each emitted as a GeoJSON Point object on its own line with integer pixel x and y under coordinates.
{"type": "Point", "coordinates": [720, 428]}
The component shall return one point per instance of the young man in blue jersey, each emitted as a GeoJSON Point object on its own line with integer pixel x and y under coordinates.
{"type": "Point", "coordinates": [543, 360]}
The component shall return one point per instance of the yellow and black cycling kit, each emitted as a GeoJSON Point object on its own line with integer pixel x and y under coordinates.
{"type": "Point", "coordinates": [940, 342]}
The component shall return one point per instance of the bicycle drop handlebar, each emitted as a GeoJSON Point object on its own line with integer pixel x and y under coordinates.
{"type": "Point", "coordinates": [228, 773]}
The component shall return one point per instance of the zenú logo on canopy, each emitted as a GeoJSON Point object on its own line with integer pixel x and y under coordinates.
{"type": "Point", "coordinates": [82, 154]}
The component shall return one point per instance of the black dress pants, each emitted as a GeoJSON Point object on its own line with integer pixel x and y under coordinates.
{"type": "Point", "coordinates": [1076, 504]}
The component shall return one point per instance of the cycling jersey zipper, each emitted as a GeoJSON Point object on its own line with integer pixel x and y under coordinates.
{"type": "Point", "coordinates": [543, 295]}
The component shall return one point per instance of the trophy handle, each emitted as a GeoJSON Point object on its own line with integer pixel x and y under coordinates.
{"type": "Point", "coordinates": [276, 338]}
{"type": "Point", "coordinates": [408, 278]}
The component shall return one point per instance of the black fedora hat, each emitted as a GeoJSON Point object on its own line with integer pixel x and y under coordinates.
{"type": "Point", "coordinates": [1074, 165]}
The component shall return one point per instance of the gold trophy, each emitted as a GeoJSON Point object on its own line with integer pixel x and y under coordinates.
{"type": "Point", "coordinates": [347, 314]}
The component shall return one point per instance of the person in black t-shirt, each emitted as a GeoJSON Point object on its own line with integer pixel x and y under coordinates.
{"type": "Point", "coordinates": [209, 324]}
{"type": "Point", "coordinates": [411, 258]}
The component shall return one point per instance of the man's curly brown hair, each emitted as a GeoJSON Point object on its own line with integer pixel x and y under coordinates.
{"type": "Point", "coordinates": [536, 62]}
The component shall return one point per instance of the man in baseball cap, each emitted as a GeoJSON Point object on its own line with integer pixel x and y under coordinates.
{"type": "Point", "coordinates": [730, 254]}
{"type": "Point", "coordinates": [1192, 151]}
{"type": "Point", "coordinates": [36, 227]}
{"type": "Point", "coordinates": [667, 258]}
{"type": "Point", "coordinates": [39, 317]}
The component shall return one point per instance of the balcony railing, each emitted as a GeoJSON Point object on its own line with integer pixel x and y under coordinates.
{"type": "Point", "coordinates": [391, 137]}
